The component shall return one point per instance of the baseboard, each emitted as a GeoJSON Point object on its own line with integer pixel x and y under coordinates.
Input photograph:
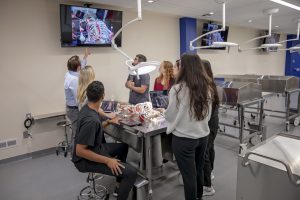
{"type": "Point", "coordinates": [32, 155]}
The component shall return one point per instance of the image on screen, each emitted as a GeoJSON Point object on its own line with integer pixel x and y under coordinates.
{"type": "Point", "coordinates": [214, 37]}
{"type": "Point", "coordinates": [82, 26]}
{"type": "Point", "coordinates": [159, 99]}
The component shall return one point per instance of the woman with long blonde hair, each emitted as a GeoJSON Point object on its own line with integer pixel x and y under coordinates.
{"type": "Point", "coordinates": [86, 76]}
{"type": "Point", "coordinates": [166, 77]}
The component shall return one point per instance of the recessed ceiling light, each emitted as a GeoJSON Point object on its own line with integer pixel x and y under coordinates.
{"type": "Point", "coordinates": [250, 21]}
{"type": "Point", "coordinates": [277, 26]}
{"type": "Point", "coordinates": [208, 14]}
{"type": "Point", "coordinates": [150, 1]}
{"type": "Point", "coordinates": [287, 4]}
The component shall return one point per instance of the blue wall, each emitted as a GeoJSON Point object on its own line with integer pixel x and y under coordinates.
{"type": "Point", "coordinates": [292, 62]}
{"type": "Point", "coordinates": [188, 32]}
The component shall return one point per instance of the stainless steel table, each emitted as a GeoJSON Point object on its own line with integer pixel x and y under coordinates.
{"type": "Point", "coordinates": [140, 139]}
{"type": "Point", "coordinates": [270, 170]}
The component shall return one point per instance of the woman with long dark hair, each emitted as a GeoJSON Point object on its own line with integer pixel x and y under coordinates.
{"type": "Point", "coordinates": [188, 113]}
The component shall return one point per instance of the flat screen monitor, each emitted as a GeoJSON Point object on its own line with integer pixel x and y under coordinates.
{"type": "Point", "coordinates": [159, 99]}
{"type": "Point", "coordinates": [214, 37]}
{"type": "Point", "coordinates": [273, 39]}
{"type": "Point", "coordinates": [83, 26]}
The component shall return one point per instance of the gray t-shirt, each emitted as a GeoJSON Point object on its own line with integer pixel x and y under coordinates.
{"type": "Point", "coordinates": [134, 97]}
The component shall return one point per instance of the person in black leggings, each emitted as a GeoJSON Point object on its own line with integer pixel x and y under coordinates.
{"type": "Point", "coordinates": [213, 124]}
{"type": "Point", "coordinates": [187, 116]}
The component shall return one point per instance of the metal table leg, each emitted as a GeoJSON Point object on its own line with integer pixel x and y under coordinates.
{"type": "Point", "coordinates": [243, 147]}
{"type": "Point", "coordinates": [261, 112]}
{"type": "Point", "coordinates": [241, 122]}
{"type": "Point", "coordinates": [148, 164]}
{"type": "Point", "coordinates": [287, 115]}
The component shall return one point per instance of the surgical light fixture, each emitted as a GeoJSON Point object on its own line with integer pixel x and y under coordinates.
{"type": "Point", "coordinates": [215, 44]}
{"type": "Point", "coordinates": [270, 13]}
{"type": "Point", "coordinates": [142, 67]}
{"type": "Point", "coordinates": [287, 4]}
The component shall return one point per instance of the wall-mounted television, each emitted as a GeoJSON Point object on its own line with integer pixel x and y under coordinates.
{"type": "Point", "coordinates": [85, 26]}
{"type": "Point", "coordinates": [274, 38]}
{"type": "Point", "coordinates": [215, 37]}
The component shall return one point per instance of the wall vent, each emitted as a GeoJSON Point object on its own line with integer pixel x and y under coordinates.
{"type": "Point", "coordinates": [11, 143]}
{"type": "Point", "coordinates": [4, 144]}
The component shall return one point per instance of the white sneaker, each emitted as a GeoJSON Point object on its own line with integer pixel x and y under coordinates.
{"type": "Point", "coordinates": [212, 176]}
{"type": "Point", "coordinates": [208, 191]}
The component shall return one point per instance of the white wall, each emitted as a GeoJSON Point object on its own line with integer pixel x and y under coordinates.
{"type": "Point", "coordinates": [33, 64]}
{"type": "Point", "coordinates": [247, 62]}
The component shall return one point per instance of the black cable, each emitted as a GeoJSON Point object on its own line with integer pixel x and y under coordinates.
{"type": "Point", "coordinates": [28, 123]}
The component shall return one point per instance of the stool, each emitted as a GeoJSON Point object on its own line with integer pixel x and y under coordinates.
{"type": "Point", "coordinates": [63, 146]}
{"type": "Point", "coordinates": [94, 191]}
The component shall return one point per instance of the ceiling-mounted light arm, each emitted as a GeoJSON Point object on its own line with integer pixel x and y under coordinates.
{"type": "Point", "coordinates": [224, 16]}
{"type": "Point", "coordinates": [292, 49]}
{"type": "Point", "coordinates": [295, 39]}
{"type": "Point", "coordinates": [142, 67]}
{"type": "Point", "coordinates": [139, 18]}
{"type": "Point", "coordinates": [264, 36]}
{"type": "Point", "coordinates": [192, 48]}
{"type": "Point", "coordinates": [270, 13]}
{"type": "Point", "coordinates": [113, 41]}
{"type": "Point", "coordinates": [295, 49]}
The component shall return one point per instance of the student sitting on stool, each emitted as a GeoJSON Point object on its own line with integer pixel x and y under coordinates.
{"type": "Point", "coordinates": [91, 154]}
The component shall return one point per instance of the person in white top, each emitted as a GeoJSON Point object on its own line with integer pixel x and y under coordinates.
{"type": "Point", "coordinates": [187, 119]}
{"type": "Point", "coordinates": [74, 65]}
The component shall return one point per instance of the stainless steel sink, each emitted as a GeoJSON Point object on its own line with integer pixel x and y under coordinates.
{"type": "Point", "coordinates": [276, 84]}
{"type": "Point", "coordinates": [233, 93]}
{"type": "Point", "coordinates": [279, 84]}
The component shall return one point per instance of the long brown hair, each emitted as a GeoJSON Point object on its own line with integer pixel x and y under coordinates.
{"type": "Point", "coordinates": [207, 67]}
{"type": "Point", "coordinates": [195, 78]}
{"type": "Point", "coordinates": [168, 67]}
